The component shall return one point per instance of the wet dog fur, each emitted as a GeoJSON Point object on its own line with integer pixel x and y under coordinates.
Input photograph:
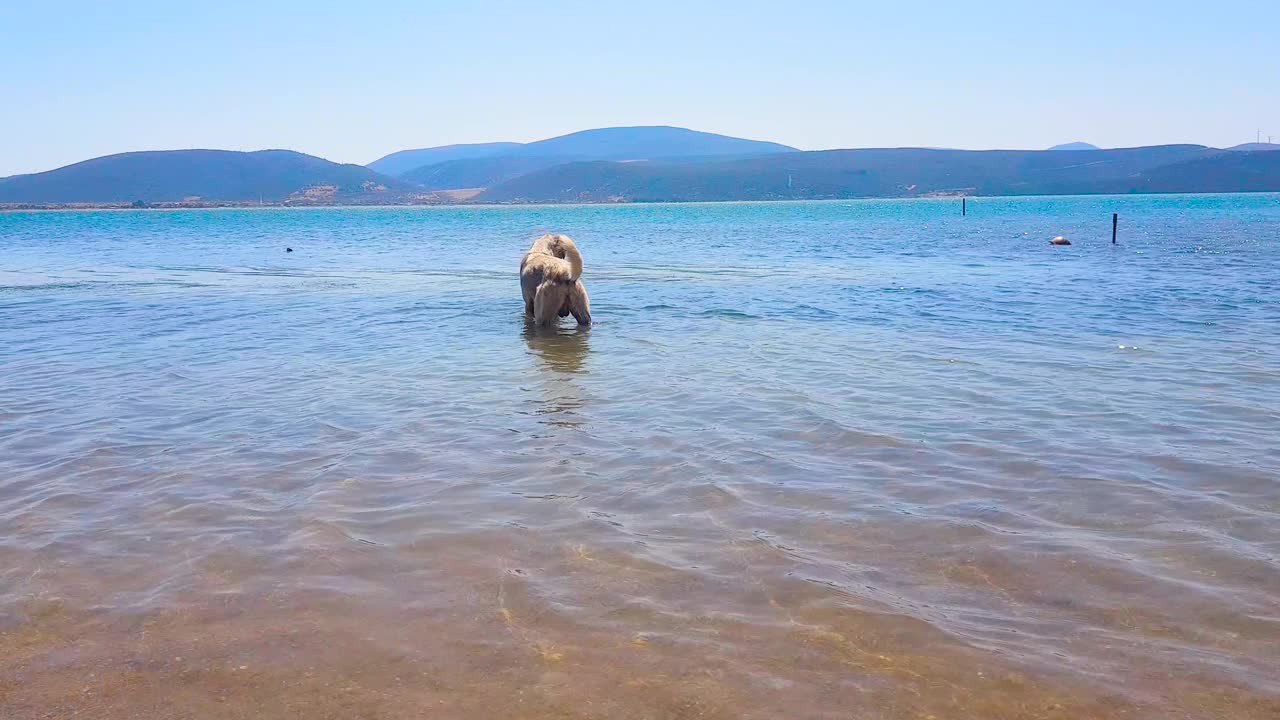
{"type": "Point", "coordinates": [549, 281]}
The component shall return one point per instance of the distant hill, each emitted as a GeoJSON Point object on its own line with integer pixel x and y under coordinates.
{"type": "Point", "coordinates": [618, 143]}
{"type": "Point", "coordinates": [490, 171]}
{"type": "Point", "coordinates": [1075, 146]}
{"type": "Point", "coordinates": [172, 175]}
{"type": "Point", "coordinates": [889, 172]}
{"type": "Point", "coordinates": [496, 162]}
{"type": "Point", "coordinates": [1255, 147]}
{"type": "Point", "coordinates": [403, 161]}
{"type": "Point", "coordinates": [644, 143]}
{"type": "Point", "coordinates": [478, 172]}
{"type": "Point", "coordinates": [199, 176]}
{"type": "Point", "coordinates": [1223, 172]}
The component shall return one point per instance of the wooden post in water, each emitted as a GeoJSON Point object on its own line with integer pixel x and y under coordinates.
{"type": "Point", "coordinates": [1115, 221]}
{"type": "Point", "coordinates": [963, 209]}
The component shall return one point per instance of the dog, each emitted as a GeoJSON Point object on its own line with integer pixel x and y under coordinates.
{"type": "Point", "coordinates": [549, 281]}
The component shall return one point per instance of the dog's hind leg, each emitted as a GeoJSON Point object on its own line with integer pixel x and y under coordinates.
{"type": "Point", "coordinates": [547, 303]}
{"type": "Point", "coordinates": [578, 303]}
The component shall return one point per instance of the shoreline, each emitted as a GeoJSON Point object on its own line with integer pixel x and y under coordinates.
{"type": "Point", "coordinates": [235, 205]}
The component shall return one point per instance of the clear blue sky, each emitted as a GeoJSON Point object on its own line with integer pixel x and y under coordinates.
{"type": "Point", "coordinates": [350, 83]}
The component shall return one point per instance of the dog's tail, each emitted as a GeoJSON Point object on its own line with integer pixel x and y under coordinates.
{"type": "Point", "coordinates": [572, 255]}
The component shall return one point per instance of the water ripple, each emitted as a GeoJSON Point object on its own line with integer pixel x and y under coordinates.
{"type": "Point", "coordinates": [875, 451]}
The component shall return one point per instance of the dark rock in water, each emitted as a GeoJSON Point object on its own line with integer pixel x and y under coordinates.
{"type": "Point", "coordinates": [1059, 241]}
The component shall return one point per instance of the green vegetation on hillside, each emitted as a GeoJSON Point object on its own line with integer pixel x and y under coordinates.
{"type": "Point", "coordinates": [174, 175]}
{"type": "Point", "coordinates": [684, 169]}
{"type": "Point", "coordinates": [902, 172]}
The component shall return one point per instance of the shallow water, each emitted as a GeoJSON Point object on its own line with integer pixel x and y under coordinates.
{"type": "Point", "coordinates": [815, 460]}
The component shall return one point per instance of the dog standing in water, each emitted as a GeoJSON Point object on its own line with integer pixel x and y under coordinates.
{"type": "Point", "coordinates": [549, 281]}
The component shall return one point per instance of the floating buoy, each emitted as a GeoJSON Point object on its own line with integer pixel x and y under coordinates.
{"type": "Point", "coordinates": [1059, 241]}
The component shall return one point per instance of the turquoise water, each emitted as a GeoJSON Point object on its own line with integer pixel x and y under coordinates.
{"type": "Point", "coordinates": [838, 452]}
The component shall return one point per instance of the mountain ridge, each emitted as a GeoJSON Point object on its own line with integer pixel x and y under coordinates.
{"type": "Point", "coordinates": [186, 177]}
{"type": "Point", "coordinates": [175, 175]}
{"type": "Point", "coordinates": [402, 161]}
{"type": "Point", "coordinates": [646, 142]}
{"type": "Point", "coordinates": [1255, 147]}
{"type": "Point", "coordinates": [630, 142]}
{"type": "Point", "coordinates": [1075, 146]}
{"type": "Point", "coordinates": [876, 172]}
